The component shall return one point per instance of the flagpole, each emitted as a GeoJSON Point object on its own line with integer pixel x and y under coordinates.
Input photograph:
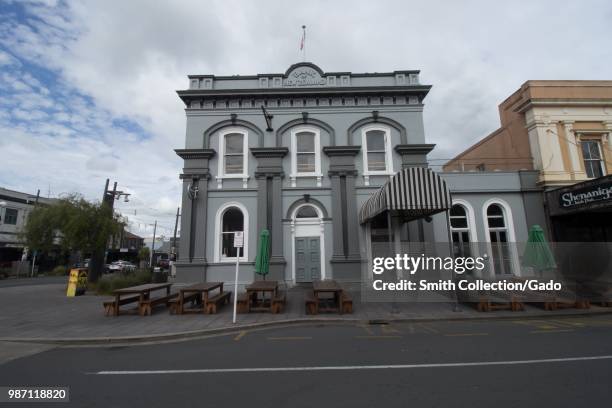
{"type": "Point", "coordinates": [304, 43]}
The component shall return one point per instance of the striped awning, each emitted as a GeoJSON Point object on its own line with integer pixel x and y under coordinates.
{"type": "Point", "coordinates": [412, 193]}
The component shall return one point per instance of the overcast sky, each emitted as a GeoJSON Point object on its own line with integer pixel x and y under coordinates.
{"type": "Point", "coordinates": [87, 89]}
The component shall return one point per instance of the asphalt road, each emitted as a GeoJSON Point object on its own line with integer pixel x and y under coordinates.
{"type": "Point", "coordinates": [563, 362]}
{"type": "Point", "coordinates": [39, 280]}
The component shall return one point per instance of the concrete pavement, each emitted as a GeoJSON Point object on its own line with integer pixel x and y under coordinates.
{"type": "Point", "coordinates": [42, 313]}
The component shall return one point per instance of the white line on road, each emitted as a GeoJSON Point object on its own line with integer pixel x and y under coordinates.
{"type": "Point", "coordinates": [349, 368]}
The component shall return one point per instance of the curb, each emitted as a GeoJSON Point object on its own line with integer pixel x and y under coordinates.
{"type": "Point", "coordinates": [187, 335]}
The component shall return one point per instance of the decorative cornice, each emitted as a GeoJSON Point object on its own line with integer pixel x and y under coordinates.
{"type": "Point", "coordinates": [405, 149]}
{"type": "Point", "coordinates": [199, 175]}
{"type": "Point", "coordinates": [342, 172]}
{"type": "Point", "coordinates": [269, 151]}
{"type": "Point", "coordinates": [341, 150]}
{"type": "Point", "coordinates": [190, 154]}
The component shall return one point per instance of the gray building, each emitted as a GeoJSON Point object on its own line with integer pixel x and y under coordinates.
{"type": "Point", "coordinates": [300, 153]}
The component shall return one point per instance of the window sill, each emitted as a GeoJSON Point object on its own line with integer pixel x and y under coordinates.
{"type": "Point", "coordinates": [293, 178]}
{"type": "Point", "coordinates": [367, 174]}
{"type": "Point", "coordinates": [243, 177]}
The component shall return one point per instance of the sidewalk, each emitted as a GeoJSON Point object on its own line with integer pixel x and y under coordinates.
{"type": "Point", "coordinates": [42, 313]}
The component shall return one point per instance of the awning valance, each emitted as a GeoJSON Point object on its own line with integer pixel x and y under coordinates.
{"type": "Point", "coordinates": [412, 193]}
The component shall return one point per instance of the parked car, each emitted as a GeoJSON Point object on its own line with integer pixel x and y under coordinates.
{"type": "Point", "coordinates": [121, 266]}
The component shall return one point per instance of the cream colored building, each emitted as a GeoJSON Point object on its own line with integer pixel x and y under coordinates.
{"type": "Point", "coordinates": [560, 128]}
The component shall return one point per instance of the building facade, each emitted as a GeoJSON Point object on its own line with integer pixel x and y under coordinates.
{"type": "Point", "coordinates": [301, 154]}
{"type": "Point", "coordinates": [562, 130]}
{"type": "Point", "coordinates": [14, 209]}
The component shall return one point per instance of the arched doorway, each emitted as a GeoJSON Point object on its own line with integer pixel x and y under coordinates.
{"type": "Point", "coordinates": [308, 245]}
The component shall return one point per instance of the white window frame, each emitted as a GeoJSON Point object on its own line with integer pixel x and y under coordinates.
{"type": "Point", "coordinates": [471, 222]}
{"type": "Point", "coordinates": [601, 157]}
{"type": "Point", "coordinates": [509, 226]}
{"type": "Point", "coordinates": [218, 256]}
{"type": "Point", "coordinates": [388, 156]}
{"type": "Point", "coordinates": [294, 173]}
{"type": "Point", "coordinates": [245, 157]}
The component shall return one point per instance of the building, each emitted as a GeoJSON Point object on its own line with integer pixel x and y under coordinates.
{"type": "Point", "coordinates": [562, 130]}
{"type": "Point", "coordinates": [14, 209]}
{"type": "Point", "coordinates": [331, 163]}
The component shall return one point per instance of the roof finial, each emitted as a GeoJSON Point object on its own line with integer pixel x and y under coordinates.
{"type": "Point", "coordinates": [303, 43]}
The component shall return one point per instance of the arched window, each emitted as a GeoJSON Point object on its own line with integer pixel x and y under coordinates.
{"type": "Point", "coordinates": [233, 148]}
{"type": "Point", "coordinates": [305, 153]}
{"type": "Point", "coordinates": [231, 218]}
{"type": "Point", "coordinates": [307, 211]}
{"type": "Point", "coordinates": [376, 147]}
{"type": "Point", "coordinates": [498, 236]}
{"type": "Point", "coordinates": [460, 230]}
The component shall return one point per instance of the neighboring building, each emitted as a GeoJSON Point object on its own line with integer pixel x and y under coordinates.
{"type": "Point", "coordinates": [561, 129]}
{"type": "Point", "coordinates": [14, 209]}
{"type": "Point", "coordinates": [131, 241]}
{"type": "Point", "coordinates": [304, 154]}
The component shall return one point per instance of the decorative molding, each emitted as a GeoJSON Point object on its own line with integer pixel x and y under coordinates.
{"type": "Point", "coordinates": [232, 122]}
{"type": "Point", "coordinates": [406, 149]}
{"type": "Point", "coordinates": [379, 119]}
{"type": "Point", "coordinates": [259, 152]}
{"type": "Point", "coordinates": [341, 150]}
{"type": "Point", "coordinates": [191, 154]}
{"type": "Point", "coordinates": [305, 120]}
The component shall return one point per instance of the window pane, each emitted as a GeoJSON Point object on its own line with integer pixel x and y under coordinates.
{"type": "Point", "coordinates": [594, 148]}
{"type": "Point", "coordinates": [457, 211]}
{"type": "Point", "coordinates": [10, 216]}
{"type": "Point", "coordinates": [375, 140]}
{"type": "Point", "coordinates": [494, 209]}
{"type": "Point", "coordinates": [234, 164]}
{"type": "Point", "coordinates": [496, 222]}
{"type": "Point", "coordinates": [306, 162]}
{"type": "Point", "coordinates": [305, 142]}
{"type": "Point", "coordinates": [307, 212]}
{"type": "Point", "coordinates": [227, 245]}
{"type": "Point", "coordinates": [233, 220]}
{"type": "Point", "coordinates": [234, 143]}
{"type": "Point", "coordinates": [376, 162]}
{"type": "Point", "coordinates": [458, 222]}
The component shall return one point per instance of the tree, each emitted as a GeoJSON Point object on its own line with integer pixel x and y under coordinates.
{"type": "Point", "coordinates": [144, 254]}
{"type": "Point", "coordinates": [71, 224]}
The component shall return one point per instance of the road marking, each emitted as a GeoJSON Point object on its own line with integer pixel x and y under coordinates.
{"type": "Point", "coordinates": [354, 368]}
{"type": "Point", "coordinates": [428, 328]}
{"type": "Point", "coordinates": [379, 337]}
{"type": "Point", "coordinates": [466, 334]}
{"type": "Point", "coordinates": [388, 329]}
{"type": "Point", "coordinates": [240, 335]}
{"type": "Point", "coordinates": [290, 338]}
{"type": "Point", "coordinates": [551, 331]}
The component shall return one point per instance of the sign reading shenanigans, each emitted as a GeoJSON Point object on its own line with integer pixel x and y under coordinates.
{"type": "Point", "coordinates": [585, 196]}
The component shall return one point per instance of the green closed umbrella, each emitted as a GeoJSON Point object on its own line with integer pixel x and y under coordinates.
{"type": "Point", "coordinates": [537, 252]}
{"type": "Point", "coordinates": [262, 261]}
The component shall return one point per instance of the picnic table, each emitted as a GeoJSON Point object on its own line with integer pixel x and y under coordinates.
{"type": "Point", "coordinates": [199, 292]}
{"type": "Point", "coordinates": [321, 291]}
{"type": "Point", "coordinates": [140, 294]}
{"type": "Point", "coordinates": [263, 304]}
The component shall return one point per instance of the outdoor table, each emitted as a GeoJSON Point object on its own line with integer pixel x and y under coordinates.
{"type": "Point", "coordinates": [143, 291]}
{"type": "Point", "coordinates": [326, 287]}
{"type": "Point", "coordinates": [203, 289]}
{"type": "Point", "coordinates": [262, 287]}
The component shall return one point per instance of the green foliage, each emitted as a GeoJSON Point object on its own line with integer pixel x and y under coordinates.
{"type": "Point", "coordinates": [108, 283]}
{"type": "Point", "coordinates": [59, 270]}
{"type": "Point", "coordinates": [71, 224]}
{"type": "Point", "coordinates": [144, 254]}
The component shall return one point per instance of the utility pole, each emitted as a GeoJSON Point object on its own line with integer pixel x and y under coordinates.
{"type": "Point", "coordinates": [178, 214]}
{"type": "Point", "coordinates": [34, 250]}
{"type": "Point", "coordinates": [153, 245]}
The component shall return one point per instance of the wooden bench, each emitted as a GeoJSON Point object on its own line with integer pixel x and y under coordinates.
{"type": "Point", "coordinates": [217, 300]}
{"type": "Point", "coordinates": [242, 303]}
{"type": "Point", "coordinates": [346, 302]}
{"type": "Point", "coordinates": [173, 304]}
{"type": "Point", "coordinates": [146, 305]}
{"type": "Point", "coordinates": [109, 306]}
{"type": "Point", "coordinates": [278, 303]}
{"type": "Point", "coordinates": [312, 304]}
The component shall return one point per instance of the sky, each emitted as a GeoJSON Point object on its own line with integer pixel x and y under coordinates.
{"type": "Point", "coordinates": [87, 88]}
